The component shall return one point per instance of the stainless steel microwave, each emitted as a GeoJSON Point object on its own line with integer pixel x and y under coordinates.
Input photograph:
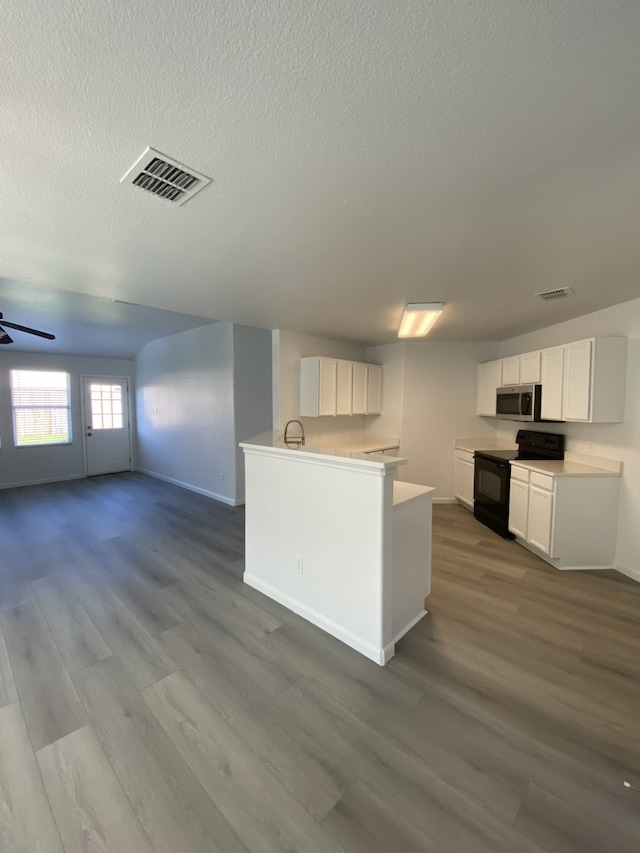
{"type": "Point", "coordinates": [519, 403]}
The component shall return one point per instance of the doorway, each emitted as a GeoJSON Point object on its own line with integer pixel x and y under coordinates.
{"type": "Point", "coordinates": [107, 433]}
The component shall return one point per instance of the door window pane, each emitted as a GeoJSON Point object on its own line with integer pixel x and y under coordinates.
{"type": "Point", "coordinates": [106, 406]}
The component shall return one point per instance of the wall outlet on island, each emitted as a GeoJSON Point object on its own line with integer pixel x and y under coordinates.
{"type": "Point", "coordinates": [221, 475]}
{"type": "Point", "coordinates": [299, 564]}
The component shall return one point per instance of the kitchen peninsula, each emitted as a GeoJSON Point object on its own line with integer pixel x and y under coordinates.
{"type": "Point", "coordinates": [332, 536]}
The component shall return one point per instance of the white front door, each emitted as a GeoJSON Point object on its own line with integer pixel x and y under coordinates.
{"type": "Point", "coordinates": [107, 433]}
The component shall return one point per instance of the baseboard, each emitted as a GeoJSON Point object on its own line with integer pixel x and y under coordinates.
{"type": "Point", "coordinates": [634, 574]}
{"type": "Point", "coordinates": [42, 482]}
{"type": "Point", "coordinates": [379, 655]}
{"type": "Point", "coordinates": [409, 626]}
{"type": "Point", "coordinates": [444, 501]}
{"type": "Point", "coordinates": [190, 487]}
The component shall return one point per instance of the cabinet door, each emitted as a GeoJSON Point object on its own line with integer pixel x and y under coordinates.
{"type": "Point", "coordinates": [344, 387]}
{"type": "Point", "coordinates": [511, 371]}
{"type": "Point", "coordinates": [551, 366]}
{"type": "Point", "coordinates": [577, 381]}
{"type": "Point", "coordinates": [530, 368]}
{"type": "Point", "coordinates": [489, 380]}
{"type": "Point", "coordinates": [518, 508]}
{"type": "Point", "coordinates": [327, 386]}
{"type": "Point", "coordinates": [464, 477]}
{"type": "Point", "coordinates": [374, 389]}
{"type": "Point", "coordinates": [359, 389]}
{"type": "Point", "coordinates": [540, 519]}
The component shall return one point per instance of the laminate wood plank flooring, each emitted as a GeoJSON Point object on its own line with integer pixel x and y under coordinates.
{"type": "Point", "coordinates": [169, 802]}
{"type": "Point", "coordinates": [91, 809]}
{"type": "Point", "coordinates": [49, 701]}
{"type": "Point", "coordinates": [26, 822]}
{"type": "Point", "coordinates": [139, 652]}
{"type": "Point", "coordinates": [169, 707]}
{"type": "Point", "coordinates": [8, 692]}
{"type": "Point", "coordinates": [74, 634]}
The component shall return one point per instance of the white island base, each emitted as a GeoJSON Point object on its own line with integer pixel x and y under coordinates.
{"type": "Point", "coordinates": [333, 538]}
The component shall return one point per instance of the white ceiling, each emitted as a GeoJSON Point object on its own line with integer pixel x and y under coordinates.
{"type": "Point", "coordinates": [364, 153]}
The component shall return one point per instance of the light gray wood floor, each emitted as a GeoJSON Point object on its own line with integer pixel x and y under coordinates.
{"type": "Point", "coordinates": [149, 701]}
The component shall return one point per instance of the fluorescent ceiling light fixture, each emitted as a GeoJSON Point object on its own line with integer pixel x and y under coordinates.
{"type": "Point", "coordinates": [418, 318]}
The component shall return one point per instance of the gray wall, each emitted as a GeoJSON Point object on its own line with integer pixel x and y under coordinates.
{"type": "Point", "coordinates": [429, 400]}
{"type": "Point", "coordinates": [20, 466]}
{"type": "Point", "coordinates": [185, 410]}
{"type": "Point", "coordinates": [199, 393]}
{"type": "Point", "coordinates": [252, 390]}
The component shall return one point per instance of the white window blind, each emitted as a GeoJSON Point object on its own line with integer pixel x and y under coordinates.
{"type": "Point", "coordinates": [41, 407]}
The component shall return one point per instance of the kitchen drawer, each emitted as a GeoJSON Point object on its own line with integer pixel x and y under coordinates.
{"type": "Point", "coordinates": [542, 481]}
{"type": "Point", "coordinates": [520, 473]}
{"type": "Point", "coordinates": [465, 455]}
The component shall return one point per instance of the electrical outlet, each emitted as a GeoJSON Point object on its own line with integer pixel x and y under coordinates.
{"type": "Point", "coordinates": [299, 564]}
{"type": "Point", "coordinates": [221, 475]}
{"type": "Point", "coordinates": [590, 447]}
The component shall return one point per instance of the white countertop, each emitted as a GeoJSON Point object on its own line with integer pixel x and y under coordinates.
{"type": "Point", "coordinates": [565, 468]}
{"type": "Point", "coordinates": [404, 492]}
{"type": "Point", "coordinates": [473, 444]}
{"type": "Point", "coordinates": [356, 442]}
{"type": "Point", "coordinates": [273, 440]}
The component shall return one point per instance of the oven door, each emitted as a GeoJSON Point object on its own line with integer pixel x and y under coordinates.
{"type": "Point", "coordinates": [491, 493]}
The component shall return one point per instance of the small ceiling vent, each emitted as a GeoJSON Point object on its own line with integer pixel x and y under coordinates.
{"type": "Point", "coordinates": [549, 295]}
{"type": "Point", "coordinates": [164, 177]}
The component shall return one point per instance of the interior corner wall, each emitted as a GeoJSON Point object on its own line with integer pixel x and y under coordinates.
{"type": "Point", "coordinates": [185, 407]}
{"type": "Point", "coordinates": [288, 349]}
{"type": "Point", "coordinates": [252, 390]}
{"type": "Point", "coordinates": [22, 466]}
{"type": "Point", "coordinates": [614, 441]}
{"type": "Point", "coordinates": [438, 405]}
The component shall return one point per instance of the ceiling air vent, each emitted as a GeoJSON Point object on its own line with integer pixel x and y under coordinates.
{"type": "Point", "coordinates": [549, 295]}
{"type": "Point", "coordinates": [164, 177]}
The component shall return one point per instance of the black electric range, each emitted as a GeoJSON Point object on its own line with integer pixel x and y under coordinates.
{"type": "Point", "coordinates": [492, 475]}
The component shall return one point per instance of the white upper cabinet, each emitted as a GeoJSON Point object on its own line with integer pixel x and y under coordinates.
{"type": "Point", "coordinates": [489, 380]}
{"type": "Point", "coordinates": [529, 368]}
{"type": "Point", "coordinates": [359, 389]}
{"type": "Point", "coordinates": [521, 369]}
{"type": "Point", "coordinates": [594, 380]}
{"type": "Point", "coordinates": [511, 371]}
{"type": "Point", "coordinates": [344, 392]}
{"type": "Point", "coordinates": [330, 386]}
{"type": "Point", "coordinates": [576, 382]}
{"type": "Point", "coordinates": [551, 371]}
{"type": "Point", "coordinates": [581, 381]}
{"type": "Point", "coordinates": [374, 389]}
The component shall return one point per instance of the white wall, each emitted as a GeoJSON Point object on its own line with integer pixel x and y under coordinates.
{"type": "Point", "coordinates": [185, 410]}
{"type": "Point", "coordinates": [614, 441]}
{"type": "Point", "coordinates": [389, 421]}
{"type": "Point", "coordinates": [438, 406]}
{"type": "Point", "coordinates": [251, 390]}
{"type": "Point", "coordinates": [288, 349]}
{"type": "Point", "coordinates": [21, 466]}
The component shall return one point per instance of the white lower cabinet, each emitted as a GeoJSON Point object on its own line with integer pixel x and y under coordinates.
{"type": "Point", "coordinates": [568, 520]}
{"type": "Point", "coordinates": [463, 477]}
{"type": "Point", "coordinates": [540, 519]}
{"type": "Point", "coordinates": [518, 507]}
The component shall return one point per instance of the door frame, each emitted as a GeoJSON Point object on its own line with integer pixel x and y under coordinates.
{"type": "Point", "coordinates": [83, 414]}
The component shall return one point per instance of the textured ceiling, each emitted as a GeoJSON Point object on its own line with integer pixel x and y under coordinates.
{"type": "Point", "coordinates": [364, 154]}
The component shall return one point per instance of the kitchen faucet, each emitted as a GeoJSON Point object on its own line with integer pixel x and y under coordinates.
{"type": "Point", "coordinates": [296, 440]}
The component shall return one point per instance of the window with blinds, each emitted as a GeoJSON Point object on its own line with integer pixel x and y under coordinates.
{"type": "Point", "coordinates": [41, 407]}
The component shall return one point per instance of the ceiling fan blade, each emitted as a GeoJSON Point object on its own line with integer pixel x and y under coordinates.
{"type": "Point", "coordinates": [28, 331]}
{"type": "Point", "coordinates": [4, 337]}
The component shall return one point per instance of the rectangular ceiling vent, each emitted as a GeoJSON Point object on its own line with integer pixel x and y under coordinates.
{"type": "Point", "coordinates": [550, 295]}
{"type": "Point", "coordinates": [165, 177]}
